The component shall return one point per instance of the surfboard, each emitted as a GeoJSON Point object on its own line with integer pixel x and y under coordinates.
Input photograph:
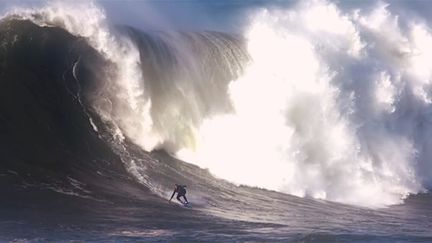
{"type": "Point", "coordinates": [178, 204]}
{"type": "Point", "coordinates": [187, 205]}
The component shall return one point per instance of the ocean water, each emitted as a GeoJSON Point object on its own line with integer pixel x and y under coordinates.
{"type": "Point", "coordinates": [288, 121]}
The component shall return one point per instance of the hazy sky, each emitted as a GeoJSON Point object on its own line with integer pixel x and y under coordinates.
{"type": "Point", "coordinates": [184, 14]}
{"type": "Point", "coordinates": [225, 15]}
{"type": "Point", "coordinates": [169, 14]}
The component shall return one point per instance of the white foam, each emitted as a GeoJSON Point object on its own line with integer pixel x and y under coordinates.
{"type": "Point", "coordinates": [330, 107]}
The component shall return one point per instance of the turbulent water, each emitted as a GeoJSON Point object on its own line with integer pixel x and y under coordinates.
{"type": "Point", "coordinates": [309, 121]}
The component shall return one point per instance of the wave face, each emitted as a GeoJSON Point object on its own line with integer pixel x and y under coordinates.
{"type": "Point", "coordinates": [36, 87]}
{"type": "Point", "coordinates": [311, 100]}
{"type": "Point", "coordinates": [49, 139]}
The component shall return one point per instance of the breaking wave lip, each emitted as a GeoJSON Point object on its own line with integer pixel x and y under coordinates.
{"type": "Point", "coordinates": [284, 107]}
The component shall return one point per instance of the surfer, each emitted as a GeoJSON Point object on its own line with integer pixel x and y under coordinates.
{"type": "Point", "coordinates": [181, 192]}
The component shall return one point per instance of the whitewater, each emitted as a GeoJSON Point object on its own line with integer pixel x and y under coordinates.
{"type": "Point", "coordinates": [289, 121]}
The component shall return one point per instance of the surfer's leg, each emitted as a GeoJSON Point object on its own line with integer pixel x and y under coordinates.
{"type": "Point", "coordinates": [178, 198]}
{"type": "Point", "coordinates": [184, 196]}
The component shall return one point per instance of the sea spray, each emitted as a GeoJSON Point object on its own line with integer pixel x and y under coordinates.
{"type": "Point", "coordinates": [330, 107]}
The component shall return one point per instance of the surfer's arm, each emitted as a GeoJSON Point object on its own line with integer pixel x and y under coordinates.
{"type": "Point", "coordinates": [173, 194]}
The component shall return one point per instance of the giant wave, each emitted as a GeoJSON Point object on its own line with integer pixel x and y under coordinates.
{"type": "Point", "coordinates": [311, 101]}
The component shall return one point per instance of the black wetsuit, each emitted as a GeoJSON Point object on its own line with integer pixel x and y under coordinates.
{"type": "Point", "coordinates": [181, 192]}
